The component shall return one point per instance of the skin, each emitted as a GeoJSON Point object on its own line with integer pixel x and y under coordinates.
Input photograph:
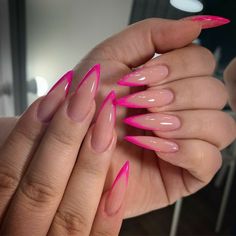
{"type": "Point", "coordinates": [156, 182]}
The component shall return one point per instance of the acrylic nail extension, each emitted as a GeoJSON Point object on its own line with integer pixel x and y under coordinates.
{"type": "Point", "coordinates": [81, 101]}
{"type": "Point", "coordinates": [154, 122]}
{"type": "Point", "coordinates": [104, 126]}
{"type": "Point", "coordinates": [208, 21]}
{"type": "Point", "coordinates": [117, 192]}
{"type": "Point", "coordinates": [153, 143]}
{"type": "Point", "coordinates": [147, 99]}
{"type": "Point", "coordinates": [54, 97]}
{"type": "Point", "coordinates": [144, 76]}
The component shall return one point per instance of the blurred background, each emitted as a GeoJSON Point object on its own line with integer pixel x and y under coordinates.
{"type": "Point", "coordinates": [40, 40]}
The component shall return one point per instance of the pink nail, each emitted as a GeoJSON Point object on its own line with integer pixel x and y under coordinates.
{"type": "Point", "coordinates": [147, 99]}
{"type": "Point", "coordinates": [55, 97]}
{"type": "Point", "coordinates": [104, 126]}
{"type": "Point", "coordinates": [81, 101]}
{"type": "Point", "coordinates": [117, 192]}
{"type": "Point", "coordinates": [153, 143]}
{"type": "Point", "coordinates": [208, 21]}
{"type": "Point", "coordinates": [154, 122]}
{"type": "Point", "coordinates": [145, 76]}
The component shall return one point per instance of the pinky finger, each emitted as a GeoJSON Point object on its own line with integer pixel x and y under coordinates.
{"type": "Point", "coordinates": [110, 211]}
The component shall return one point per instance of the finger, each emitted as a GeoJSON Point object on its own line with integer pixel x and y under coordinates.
{"type": "Point", "coordinates": [22, 142]}
{"type": "Point", "coordinates": [179, 95]}
{"type": "Point", "coordinates": [110, 212]}
{"type": "Point", "coordinates": [43, 184]}
{"type": "Point", "coordinates": [78, 207]}
{"type": "Point", "coordinates": [212, 126]}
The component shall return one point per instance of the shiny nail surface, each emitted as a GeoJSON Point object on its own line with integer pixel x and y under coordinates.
{"type": "Point", "coordinates": [54, 97]}
{"type": "Point", "coordinates": [144, 76]}
{"type": "Point", "coordinates": [81, 101]}
{"type": "Point", "coordinates": [104, 126]}
{"type": "Point", "coordinates": [153, 143]}
{"type": "Point", "coordinates": [147, 99]}
{"type": "Point", "coordinates": [117, 192]}
{"type": "Point", "coordinates": [154, 122]}
{"type": "Point", "coordinates": [208, 21]}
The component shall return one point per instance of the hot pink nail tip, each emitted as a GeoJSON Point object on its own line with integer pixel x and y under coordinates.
{"type": "Point", "coordinates": [110, 97]}
{"type": "Point", "coordinates": [124, 102]}
{"type": "Point", "coordinates": [123, 171]}
{"type": "Point", "coordinates": [130, 121]}
{"type": "Point", "coordinates": [124, 82]}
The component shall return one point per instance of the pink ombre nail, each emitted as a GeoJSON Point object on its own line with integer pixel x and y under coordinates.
{"type": "Point", "coordinates": [104, 126]}
{"type": "Point", "coordinates": [117, 192]}
{"type": "Point", "coordinates": [154, 122]}
{"type": "Point", "coordinates": [145, 76]}
{"type": "Point", "coordinates": [147, 99]}
{"type": "Point", "coordinates": [208, 21]}
{"type": "Point", "coordinates": [153, 143]}
{"type": "Point", "coordinates": [54, 97]}
{"type": "Point", "coordinates": [81, 101]}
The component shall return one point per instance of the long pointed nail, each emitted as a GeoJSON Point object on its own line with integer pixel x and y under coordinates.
{"type": "Point", "coordinates": [117, 192]}
{"type": "Point", "coordinates": [153, 143]}
{"type": "Point", "coordinates": [81, 101]}
{"type": "Point", "coordinates": [208, 21]}
{"type": "Point", "coordinates": [147, 99]}
{"type": "Point", "coordinates": [54, 97]}
{"type": "Point", "coordinates": [104, 126]}
{"type": "Point", "coordinates": [145, 76]}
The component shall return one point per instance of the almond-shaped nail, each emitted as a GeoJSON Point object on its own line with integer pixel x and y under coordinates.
{"type": "Point", "coordinates": [147, 99]}
{"type": "Point", "coordinates": [104, 126]}
{"type": "Point", "coordinates": [144, 76]}
{"type": "Point", "coordinates": [81, 101]}
{"type": "Point", "coordinates": [54, 97]}
{"type": "Point", "coordinates": [153, 143]}
{"type": "Point", "coordinates": [116, 195]}
{"type": "Point", "coordinates": [208, 21]}
{"type": "Point", "coordinates": [154, 122]}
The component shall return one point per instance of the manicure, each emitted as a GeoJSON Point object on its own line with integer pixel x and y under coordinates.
{"type": "Point", "coordinates": [147, 99]}
{"type": "Point", "coordinates": [208, 21]}
{"type": "Point", "coordinates": [81, 101]}
{"type": "Point", "coordinates": [154, 122]}
{"type": "Point", "coordinates": [117, 192]}
{"type": "Point", "coordinates": [54, 97]}
{"type": "Point", "coordinates": [153, 143]}
{"type": "Point", "coordinates": [104, 126]}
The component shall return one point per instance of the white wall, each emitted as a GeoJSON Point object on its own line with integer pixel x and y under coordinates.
{"type": "Point", "coordinates": [61, 32]}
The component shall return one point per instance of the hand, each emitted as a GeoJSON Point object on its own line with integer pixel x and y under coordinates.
{"type": "Point", "coordinates": [51, 183]}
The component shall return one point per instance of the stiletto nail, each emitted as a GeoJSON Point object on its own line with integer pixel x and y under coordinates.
{"type": "Point", "coordinates": [145, 76]}
{"type": "Point", "coordinates": [103, 129]}
{"type": "Point", "coordinates": [147, 99]}
{"type": "Point", "coordinates": [153, 143]}
{"type": "Point", "coordinates": [208, 21]}
{"type": "Point", "coordinates": [154, 122]}
{"type": "Point", "coordinates": [81, 101]}
{"type": "Point", "coordinates": [54, 97]}
{"type": "Point", "coordinates": [117, 192]}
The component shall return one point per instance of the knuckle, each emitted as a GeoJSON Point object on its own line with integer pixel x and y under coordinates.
{"type": "Point", "coordinates": [102, 233]}
{"type": "Point", "coordinates": [8, 181]}
{"type": "Point", "coordinates": [91, 168]}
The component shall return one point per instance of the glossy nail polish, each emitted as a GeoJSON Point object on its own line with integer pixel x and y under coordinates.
{"type": "Point", "coordinates": [147, 99]}
{"type": "Point", "coordinates": [104, 126]}
{"type": "Point", "coordinates": [153, 143]}
{"type": "Point", "coordinates": [154, 122]}
{"type": "Point", "coordinates": [54, 97]}
{"type": "Point", "coordinates": [81, 101]}
{"type": "Point", "coordinates": [208, 21]}
{"type": "Point", "coordinates": [117, 192]}
{"type": "Point", "coordinates": [144, 76]}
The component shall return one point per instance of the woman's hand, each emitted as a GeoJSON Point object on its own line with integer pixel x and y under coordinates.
{"type": "Point", "coordinates": [50, 182]}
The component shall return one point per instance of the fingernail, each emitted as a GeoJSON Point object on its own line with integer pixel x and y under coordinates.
{"type": "Point", "coordinates": [117, 192]}
{"type": "Point", "coordinates": [104, 126]}
{"type": "Point", "coordinates": [147, 99]}
{"type": "Point", "coordinates": [153, 143]}
{"type": "Point", "coordinates": [154, 122]}
{"type": "Point", "coordinates": [81, 101]}
{"type": "Point", "coordinates": [144, 76]}
{"type": "Point", "coordinates": [54, 97]}
{"type": "Point", "coordinates": [208, 21]}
